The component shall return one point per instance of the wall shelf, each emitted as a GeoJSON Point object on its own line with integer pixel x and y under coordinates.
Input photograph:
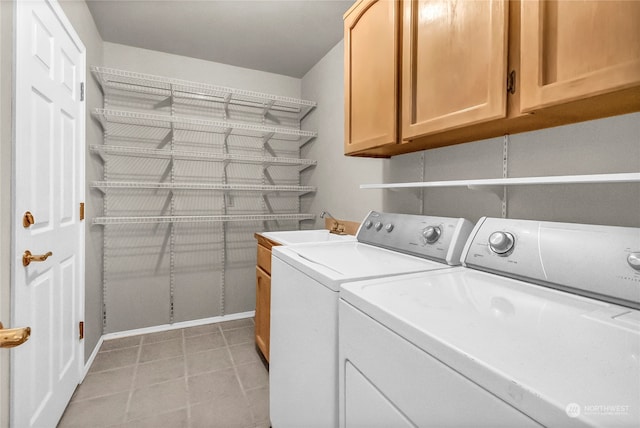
{"type": "Point", "coordinates": [201, 219]}
{"type": "Point", "coordinates": [495, 185]}
{"type": "Point", "coordinates": [112, 122]}
{"type": "Point", "coordinates": [258, 188]}
{"type": "Point", "coordinates": [113, 79]}
{"type": "Point", "coordinates": [178, 152]}
{"type": "Point", "coordinates": [266, 162]}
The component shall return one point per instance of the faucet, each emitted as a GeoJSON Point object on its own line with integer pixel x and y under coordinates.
{"type": "Point", "coordinates": [337, 228]}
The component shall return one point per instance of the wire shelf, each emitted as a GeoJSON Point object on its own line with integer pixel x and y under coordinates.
{"type": "Point", "coordinates": [632, 177]}
{"type": "Point", "coordinates": [496, 185]}
{"type": "Point", "coordinates": [111, 119]}
{"type": "Point", "coordinates": [201, 219]}
{"type": "Point", "coordinates": [266, 162]}
{"type": "Point", "coordinates": [110, 78]}
{"type": "Point", "coordinates": [259, 188]}
{"type": "Point", "coordinates": [235, 135]}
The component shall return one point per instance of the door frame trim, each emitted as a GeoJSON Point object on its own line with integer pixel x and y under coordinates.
{"type": "Point", "coordinates": [6, 186]}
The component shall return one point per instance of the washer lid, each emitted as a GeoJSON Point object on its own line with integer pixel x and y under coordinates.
{"type": "Point", "coordinates": [538, 349]}
{"type": "Point", "coordinates": [291, 237]}
{"type": "Point", "coordinates": [334, 263]}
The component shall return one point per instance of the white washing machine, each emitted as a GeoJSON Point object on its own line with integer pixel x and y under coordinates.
{"type": "Point", "coordinates": [305, 280]}
{"type": "Point", "coordinates": [542, 328]}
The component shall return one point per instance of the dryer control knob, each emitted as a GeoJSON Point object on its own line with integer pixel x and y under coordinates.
{"type": "Point", "coordinates": [368, 224]}
{"type": "Point", "coordinates": [501, 242]}
{"type": "Point", "coordinates": [431, 234]}
{"type": "Point", "coordinates": [388, 227]}
{"type": "Point", "coordinates": [378, 225]}
{"type": "Point", "coordinates": [634, 260]}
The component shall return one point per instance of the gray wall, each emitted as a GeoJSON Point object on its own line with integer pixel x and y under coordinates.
{"type": "Point", "coordinates": [337, 177]}
{"type": "Point", "coordinates": [6, 63]}
{"type": "Point", "coordinates": [607, 145]}
{"type": "Point", "coordinates": [610, 145]}
{"type": "Point", "coordinates": [138, 292]}
{"type": "Point", "coordinates": [163, 64]}
{"type": "Point", "coordinates": [141, 60]}
{"type": "Point", "coordinates": [82, 21]}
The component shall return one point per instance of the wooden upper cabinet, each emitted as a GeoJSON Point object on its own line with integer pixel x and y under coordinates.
{"type": "Point", "coordinates": [572, 50]}
{"type": "Point", "coordinates": [421, 74]}
{"type": "Point", "coordinates": [454, 64]}
{"type": "Point", "coordinates": [371, 34]}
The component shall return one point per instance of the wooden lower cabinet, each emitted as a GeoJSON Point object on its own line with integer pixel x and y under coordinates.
{"type": "Point", "coordinates": [263, 311]}
{"type": "Point", "coordinates": [263, 294]}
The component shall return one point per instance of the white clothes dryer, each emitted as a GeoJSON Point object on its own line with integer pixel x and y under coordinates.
{"type": "Point", "coordinates": [542, 328]}
{"type": "Point", "coordinates": [303, 371]}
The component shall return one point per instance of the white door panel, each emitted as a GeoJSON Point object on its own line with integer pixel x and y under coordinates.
{"type": "Point", "coordinates": [49, 182]}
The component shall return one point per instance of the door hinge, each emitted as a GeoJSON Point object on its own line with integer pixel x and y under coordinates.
{"type": "Point", "coordinates": [511, 82]}
{"type": "Point", "coordinates": [82, 91]}
{"type": "Point", "coordinates": [81, 210]}
{"type": "Point", "coordinates": [81, 330]}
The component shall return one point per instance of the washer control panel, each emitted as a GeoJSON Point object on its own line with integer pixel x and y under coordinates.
{"type": "Point", "coordinates": [597, 261]}
{"type": "Point", "coordinates": [431, 234]}
{"type": "Point", "coordinates": [437, 238]}
{"type": "Point", "coordinates": [501, 243]}
{"type": "Point", "coordinates": [634, 260]}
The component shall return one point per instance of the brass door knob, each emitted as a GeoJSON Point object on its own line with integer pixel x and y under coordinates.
{"type": "Point", "coordinates": [12, 337]}
{"type": "Point", "coordinates": [28, 220]}
{"type": "Point", "coordinates": [27, 257]}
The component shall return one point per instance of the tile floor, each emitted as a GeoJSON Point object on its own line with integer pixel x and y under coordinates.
{"type": "Point", "coordinates": [205, 376]}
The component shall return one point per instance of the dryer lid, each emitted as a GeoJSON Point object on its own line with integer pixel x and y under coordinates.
{"type": "Point", "coordinates": [335, 263]}
{"type": "Point", "coordinates": [537, 348]}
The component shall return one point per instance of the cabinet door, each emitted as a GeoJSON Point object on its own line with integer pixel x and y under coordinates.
{"type": "Point", "coordinates": [371, 74]}
{"type": "Point", "coordinates": [454, 64]}
{"type": "Point", "coordinates": [263, 311]}
{"type": "Point", "coordinates": [575, 49]}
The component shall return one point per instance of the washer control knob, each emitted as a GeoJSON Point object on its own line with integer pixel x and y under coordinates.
{"type": "Point", "coordinates": [378, 225]}
{"type": "Point", "coordinates": [501, 242]}
{"type": "Point", "coordinates": [368, 224]}
{"type": "Point", "coordinates": [388, 227]}
{"type": "Point", "coordinates": [431, 234]}
{"type": "Point", "coordinates": [634, 260]}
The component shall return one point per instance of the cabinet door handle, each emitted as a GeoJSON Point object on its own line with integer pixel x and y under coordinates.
{"type": "Point", "coordinates": [511, 82]}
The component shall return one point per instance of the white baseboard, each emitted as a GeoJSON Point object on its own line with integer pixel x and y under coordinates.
{"type": "Point", "coordinates": [157, 328]}
{"type": "Point", "coordinates": [178, 325]}
{"type": "Point", "coordinates": [92, 357]}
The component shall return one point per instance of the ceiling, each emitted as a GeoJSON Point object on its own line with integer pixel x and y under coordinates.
{"type": "Point", "coordinates": [284, 37]}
